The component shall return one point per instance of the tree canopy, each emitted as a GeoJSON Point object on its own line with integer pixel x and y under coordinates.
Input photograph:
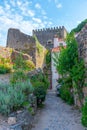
{"type": "Point", "coordinates": [79, 27]}
{"type": "Point", "coordinates": [67, 56]}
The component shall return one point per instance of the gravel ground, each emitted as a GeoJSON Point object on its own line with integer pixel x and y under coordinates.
{"type": "Point", "coordinates": [57, 115]}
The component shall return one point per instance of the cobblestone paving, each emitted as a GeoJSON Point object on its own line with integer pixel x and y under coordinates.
{"type": "Point", "coordinates": [57, 115]}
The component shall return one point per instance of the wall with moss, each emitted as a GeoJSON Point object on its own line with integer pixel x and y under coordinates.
{"type": "Point", "coordinates": [40, 54]}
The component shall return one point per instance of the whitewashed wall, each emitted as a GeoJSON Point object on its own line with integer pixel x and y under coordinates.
{"type": "Point", "coordinates": [55, 75]}
{"type": "Point", "coordinates": [58, 41]}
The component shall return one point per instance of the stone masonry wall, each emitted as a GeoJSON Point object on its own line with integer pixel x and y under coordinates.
{"type": "Point", "coordinates": [46, 36]}
{"type": "Point", "coordinates": [27, 44]}
{"type": "Point", "coordinates": [21, 42]}
{"type": "Point", "coordinates": [11, 54]}
{"type": "Point", "coordinates": [82, 50]}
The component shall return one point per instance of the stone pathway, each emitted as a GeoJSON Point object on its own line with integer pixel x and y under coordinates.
{"type": "Point", "coordinates": [57, 115]}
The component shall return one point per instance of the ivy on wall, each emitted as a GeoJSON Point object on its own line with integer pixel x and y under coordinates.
{"type": "Point", "coordinates": [39, 47]}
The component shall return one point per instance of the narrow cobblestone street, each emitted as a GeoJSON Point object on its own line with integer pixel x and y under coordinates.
{"type": "Point", "coordinates": [57, 115]}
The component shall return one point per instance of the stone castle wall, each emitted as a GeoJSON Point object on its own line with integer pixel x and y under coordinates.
{"type": "Point", "coordinates": [82, 44]}
{"type": "Point", "coordinates": [82, 50]}
{"type": "Point", "coordinates": [21, 42]}
{"type": "Point", "coordinates": [27, 44]}
{"type": "Point", "coordinates": [46, 36]}
{"type": "Point", "coordinates": [18, 40]}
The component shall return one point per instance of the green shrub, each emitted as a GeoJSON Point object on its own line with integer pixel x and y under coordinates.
{"type": "Point", "coordinates": [38, 83]}
{"type": "Point", "coordinates": [60, 80]}
{"type": "Point", "coordinates": [46, 82]}
{"type": "Point", "coordinates": [28, 106]}
{"type": "Point", "coordinates": [48, 58]}
{"type": "Point", "coordinates": [40, 79]}
{"type": "Point", "coordinates": [66, 95]}
{"type": "Point", "coordinates": [18, 76]}
{"type": "Point", "coordinates": [13, 97]}
{"type": "Point", "coordinates": [79, 26]}
{"type": "Point", "coordinates": [5, 65]}
{"type": "Point", "coordinates": [41, 84]}
{"type": "Point", "coordinates": [40, 93]}
{"type": "Point", "coordinates": [65, 90]}
{"type": "Point", "coordinates": [21, 63]}
{"type": "Point", "coordinates": [25, 86]}
{"type": "Point", "coordinates": [84, 114]}
{"type": "Point", "coordinates": [8, 98]}
{"type": "Point", "coordinates": [29, 65]}
{"type": "Point", "coordinates": [5, 68]}
{"type": "Point", "coordinates": [18, 99]}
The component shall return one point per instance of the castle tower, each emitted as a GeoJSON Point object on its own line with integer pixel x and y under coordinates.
{"type": "Point", "coordinates": [46, 36]}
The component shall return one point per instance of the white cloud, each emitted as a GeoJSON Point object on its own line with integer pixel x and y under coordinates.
{"type": "Point", "coordinates": [7, 6]}
{"type": "Point", "coordinates": [24, 7]}
{"type": "Point", "coordinates": [19, 3]}
{"type": "Point", "coordinates": [31, 13]}
{"type": "Point", "coordinates": [26, 3]}
{"type": "Point", "coordinates": [23, 18]}
{"type": "Point", "coordinates": [37, 20]}
{"type": "Point", "coordinates": [45, 17]}
{"type": "Point", "coordinates": [59, 5]}
{"type": "Point", "coordinates": [38, 6]}
{"type": "Point", "coordinates": [12, 2]}
{"type": "Point", "coordinates": [1, 10]}
{"type": "Point", "coordinates": [25, 26]}
{"type": "Point", "coordinates": [78, 22]}
{"type": "Point", "coordinates": [50, 23]}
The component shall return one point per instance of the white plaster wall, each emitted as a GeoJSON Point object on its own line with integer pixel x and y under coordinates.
{"type": "Point", "coordinates": [57, 42]}
{"type": "Point", "coordinates": [55, 74]}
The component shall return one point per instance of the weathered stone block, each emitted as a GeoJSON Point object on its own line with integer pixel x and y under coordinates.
{"type": "Point", "coordinates": [23, 120]}
{"type": "Point", "coordinates": [11, 120]}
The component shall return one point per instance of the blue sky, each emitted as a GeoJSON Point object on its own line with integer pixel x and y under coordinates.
{"type": "Point", "coordinates": [27, 15]}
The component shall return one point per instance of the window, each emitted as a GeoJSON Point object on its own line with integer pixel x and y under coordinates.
{"type": "Point", "coordinates": [49, 42]}
{"type": "Point", "coordinates": [60, 44]}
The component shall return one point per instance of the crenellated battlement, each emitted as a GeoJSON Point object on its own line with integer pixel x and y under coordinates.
{"type": "Point", "coordinates": [47, 34]}
{"type": "Point", "coordinates": [49, 29]}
